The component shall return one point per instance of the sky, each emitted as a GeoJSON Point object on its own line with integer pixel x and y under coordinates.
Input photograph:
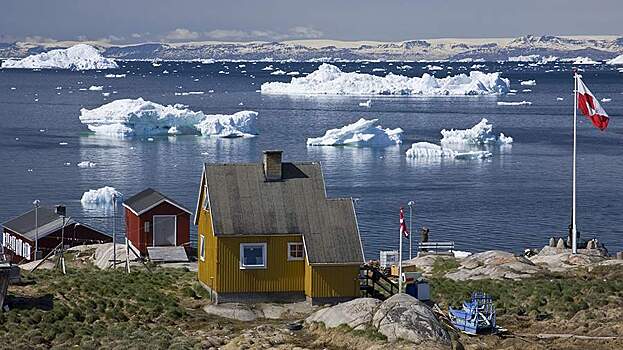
{"type": "Point", "coordinates": [132, 21]}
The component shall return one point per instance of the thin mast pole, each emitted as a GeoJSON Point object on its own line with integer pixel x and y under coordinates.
{"type": "Point", "coordinates": [574, 243]}
{"type": "Point", "coordinates": [400, 264]}
{"type": "Point", "coordinates": [410, 231]}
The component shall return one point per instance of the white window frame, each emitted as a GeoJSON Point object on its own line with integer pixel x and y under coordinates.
{"type": "Point", "coordinates": [264, 256]}
{"type": "Point", "coordinates": [147, 226]}
{"type": "Point", "coordinates": [153, 231]}
{"type": "Point", "coordinates": [202, 247]}
{"type": "Point", "coordinates": [293, 258]}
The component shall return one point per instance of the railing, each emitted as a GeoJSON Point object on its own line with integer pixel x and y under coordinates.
{"type": "Point", "coordinates": [373, 283]}
{"type": "Point", "coordinates": [435, 247]}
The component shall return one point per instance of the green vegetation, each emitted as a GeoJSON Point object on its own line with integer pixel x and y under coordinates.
{"type": "Point", "coordinates": [541, 297]}
{"type": "Point", "coordinates": [442, 266]}
{"type": "Point", "coordinates": [93, 309]}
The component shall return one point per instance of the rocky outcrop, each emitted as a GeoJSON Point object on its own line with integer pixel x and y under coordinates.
{"type": "Point", "coordinates": [356, 314]}
{"type": "Point", "coordinates": [234, 311]}
{"type": "Point", "coordinates": [494, 264]}
{"type": "Point", "coordinates": [557, 259]}
{"type": "Point", "coordinates": [404, 317]}
{"type": "Point", "coordinates": [251, 312]}
{"type": "Point", "coordinates": [401, 317]}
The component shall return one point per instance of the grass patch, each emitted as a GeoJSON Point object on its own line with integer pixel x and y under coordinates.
{"type": "Point", "coordinates": [441, 266]}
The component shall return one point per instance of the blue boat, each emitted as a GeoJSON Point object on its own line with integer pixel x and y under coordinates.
{"type": "Point", "coordinates": [477, 315]}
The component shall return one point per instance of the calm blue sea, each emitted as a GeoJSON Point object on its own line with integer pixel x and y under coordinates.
{"type": "Point", "coordinates": [517, 199]}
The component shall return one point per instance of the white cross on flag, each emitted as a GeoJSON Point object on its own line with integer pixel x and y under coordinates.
{"type": "Point", "coordinates": [590, 107]}
{"type": "Point", "coordinates": [403, 226]}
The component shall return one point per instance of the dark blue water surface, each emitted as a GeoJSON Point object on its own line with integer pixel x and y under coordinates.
{"type": "Point", "coordinates": [516, 199]}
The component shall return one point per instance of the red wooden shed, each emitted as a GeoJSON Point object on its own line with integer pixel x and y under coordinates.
{"type": "Point", "coordinates": [154, 220]}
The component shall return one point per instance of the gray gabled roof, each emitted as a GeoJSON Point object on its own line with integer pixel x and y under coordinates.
{"type": "Point", "coordinates": [148, 199]}
{"type": "Point", "coordinates": [47, 220]}
{"type": "Point", "coordinates": [243, 203]}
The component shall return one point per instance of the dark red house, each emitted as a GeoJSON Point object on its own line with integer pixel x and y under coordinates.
{"type": "Point", "coordinates": [152, 220]}
{"type": "Point", "coordinates": [19, 234]}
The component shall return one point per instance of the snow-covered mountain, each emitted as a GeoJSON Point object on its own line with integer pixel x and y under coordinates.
{"type": "Point", "coordinates": [597, 48]}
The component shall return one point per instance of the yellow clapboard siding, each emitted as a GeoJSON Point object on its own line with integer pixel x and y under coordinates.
{"type": "Point", "coordinates": [332, 281]}
{"type": "Point", "coordinates": [207, 268]}
{"type": "Point", "coordinates": [281, 274]}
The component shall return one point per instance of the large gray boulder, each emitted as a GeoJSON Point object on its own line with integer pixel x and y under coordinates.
{"type": "Point", "coordinates": [494, 264]}
{"type": "Point", "coordinates": [356, 314]}
{"type": "Point", "coordinates": [404, 317]}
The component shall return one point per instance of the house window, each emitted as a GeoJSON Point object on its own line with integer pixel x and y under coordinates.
{"type": "Point", "coordinates": [253, 255]}
{"type": "Point", "coordinates": [202, 248]}
{"type": "Point", "coordinates": [146, 226]}
{"type": "Point", "coordinates": [206, 200]}
{"type": "Point", "coordinates": [295, 251]}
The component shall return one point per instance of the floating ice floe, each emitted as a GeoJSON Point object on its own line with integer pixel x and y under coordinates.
{"type": "Point", "coordinates": [104, 196]}
{"type": "Point", "coordinates": [362, 133]}
{"type": "Point", "coordinates": [130, 117]}
{"type": "Point", "coordinates": [78, 57]}
{"type": "Point", "coordinates": [96, 88]}
{"type": "Point", "coordinates": [521, 103]}
{"type": "Point", "coordinates": [479, 134]}
{"type": "Point", "coordinates": [606, 99]}
{"type": "Point", "coordinates": [269, 67]}
{"type": "Point", "coordinates": [86, 164]}
{"type": "Point", "coordinates": [114, 76]}
{"type": "Point", "coordinates": [293, 73]}
{"type": "Point", "coordinates": [367, 104]}
{"type": "Point", "coordinates": [528, 82]}
{"type": "Point", "coordinates": [278, 72]}
{"type": "Point", "coordinates": [616, 60]}
{"type": "Point", "coordinates": [330, 80]}
{"type": "Point", "coordinates": [560, 99]}
{"type": "Point", "coordinates": [580, 60]}
{"type": "Point", "coordinates": [427, 150]}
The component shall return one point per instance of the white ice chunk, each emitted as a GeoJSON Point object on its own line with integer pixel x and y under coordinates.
{"type": "Point", "coordinates": [278, 72]}
{"type": "Point", "coordinates": [129, 117]}
{"type": "Point", "coordinates": [367, 104]}
{"type": "Point", "coordinates": [427, 150]}
{"type": "Point", "coordinates": [616, 60]}
{"type": "Point", "coordinates": [361, 133]}
{"type": "Point", "coordinates": [520, 103]}
{"type": "Point", "coordinates": [101, 197]}
{"type": "Point", "coordinates": [96, 88]}
{"type": "Point", "coordinates": [78, 57]}
{"type": "Point", "coordinates": [330, 80]}
{"type": "Point", "coordinates": [479, 134]}
{"type": "Point", "coordinates": [528, 82]}
{"type": "Point", "coordinates": [86, 164]}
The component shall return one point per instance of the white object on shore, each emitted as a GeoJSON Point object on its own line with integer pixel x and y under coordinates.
{"type": "Point", "coordinates": [78, 57]}
{"type": "Point", "coordinates": [528, 82]}
{"type": "Point", "coordinates": [362, 133]}
{"type": "Point", "coordinates": [367, 104]}
{"type": "Point", "coordinates": [479, 134]}
{"type": "Point", "coordinates": [130, 117]}
{"type": "Point", "coordinates": [330, 80]}
{"type": "Point", "coordinates": [101, 197]}
{"type": "Point", "coordinates": [521, 103]}
{"type": "Point", "coordinates": [86, 164]}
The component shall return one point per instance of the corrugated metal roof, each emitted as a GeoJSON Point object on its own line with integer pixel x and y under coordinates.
{"type": "Point", "coordinates": [242, 202]}
{"type": "Point", "coordinates": [147, 199]}
{"type": "Point", "coordinates": [47, 219]}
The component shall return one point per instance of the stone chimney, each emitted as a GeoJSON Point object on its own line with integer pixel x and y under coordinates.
{"type": "Point", "coordinates": [272, 165]}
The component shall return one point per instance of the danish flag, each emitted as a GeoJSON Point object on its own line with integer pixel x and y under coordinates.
{"type": "Point", "coordinates": [590, 107]}
{"type": "Point", "coordinates": [403, 226]}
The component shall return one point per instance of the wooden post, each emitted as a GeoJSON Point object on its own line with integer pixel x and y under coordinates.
{"type": "Point", "coordinates": [4, 285]}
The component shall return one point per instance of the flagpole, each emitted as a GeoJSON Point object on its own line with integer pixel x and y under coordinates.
{"type": "Point", "coordinates": [400, 264]}
{"type": "Point", "coordinates": [574, 243]}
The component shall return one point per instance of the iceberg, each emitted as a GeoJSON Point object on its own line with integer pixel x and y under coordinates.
{"type": "Point", "coordinates": [86, 164]}
{"type": "Point", "coordinates": [528, 82]}
{"type": "Point", "coordinates": [427, 150]}
{"type": "Point", "coordinates": [78, 57]}
{"type": "Point", "coordinates": [131, 117]}
{"type": "Point", "coordinates": [367, 104]}
{"type": "Point", "coordinates": [479, 134]}
{"type": "Point", "coordinates": [330, 80]}
{"type": "Point", "coordinates": [521, 103]}
{"type": "Point", "coordinates": [361, 133]}
{"type": "Point", "coordinates": [616, 60]}
{"type": "Point", "coordinates": [104, 196]}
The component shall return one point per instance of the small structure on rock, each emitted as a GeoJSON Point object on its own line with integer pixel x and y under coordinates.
{"type": "Point", "coordinates": [268, 232]}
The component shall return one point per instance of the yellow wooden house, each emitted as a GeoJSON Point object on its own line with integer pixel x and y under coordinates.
{"type": "Point", "coordinates": [268, 232]}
